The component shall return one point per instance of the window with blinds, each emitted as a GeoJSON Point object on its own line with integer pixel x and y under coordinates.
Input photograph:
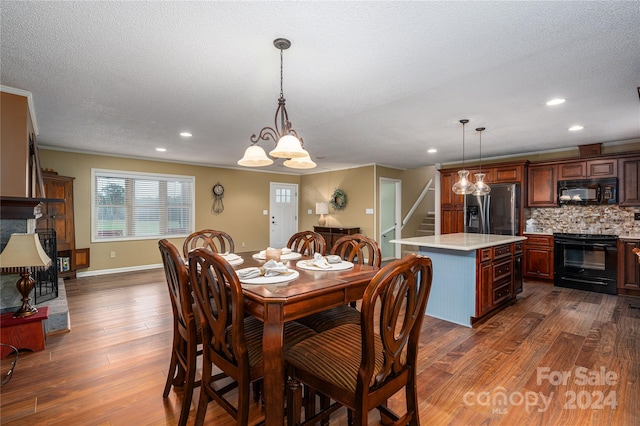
{"type": "Point", "coordinates": [136, 206]}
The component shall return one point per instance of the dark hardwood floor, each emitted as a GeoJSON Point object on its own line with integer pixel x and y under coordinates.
{"type": "Point", "coordinates": [557, 357]}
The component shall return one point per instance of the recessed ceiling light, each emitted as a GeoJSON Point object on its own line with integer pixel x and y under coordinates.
{"type": "Point", "coordinates": [161, 149]}
{"type": "Point", "coordinates": [432, 150]}
{"type": "Point", "coordinates": [575, 128]}
{"type": "Point", "coordinates": [186, 134]}
{"type": "Point", "coordinates": [556, 101]}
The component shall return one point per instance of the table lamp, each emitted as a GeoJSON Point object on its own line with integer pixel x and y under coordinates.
{"type": "Point", "coordinates": [322, 209]}
{"type": "Point", "coordinates": [22, 252]}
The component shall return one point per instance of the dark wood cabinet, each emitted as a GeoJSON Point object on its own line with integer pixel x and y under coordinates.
{"type": "Point", "coordinates": [495, 278]}
{"type": "Point", "coordinates": [628, 268]}
{"type": "Point", "coordinates": [331, 234]}
{"type": "Point", "coordinates": [629, 181]}
{"type": "Point", "coordinates": [60, 217]}
{"type": "Point", "coordinates": [538, 257]}
{"type": "Point", "coordinates": [542, 188]}
{"type": "Point", "coordinates": [591, 169]}
{"type": "Point", "coordinates": [452, 205]}
{"type": "Point", "coordinates": [512, 173]}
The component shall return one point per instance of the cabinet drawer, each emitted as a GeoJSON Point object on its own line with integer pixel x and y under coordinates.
{"type": "Point", "coordinates": [484, 254]}
{"type": "Point", "coordinates": [539, 240]}
{"type": "Point", "coordinates": [501, 251]}
{"type": "Point", "coordinates": [501, 293]}
{"type": "Point", "coordinates": [517, 247]}
{"type": "Point", "coordinates": [502, 270]}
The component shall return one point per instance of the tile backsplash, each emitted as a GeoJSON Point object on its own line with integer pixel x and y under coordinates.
{"type": "Point", "coordinates": [595, 219]}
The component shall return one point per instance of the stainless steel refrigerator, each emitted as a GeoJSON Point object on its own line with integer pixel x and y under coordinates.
{"type": "Point", "coordinates": [496, 213]}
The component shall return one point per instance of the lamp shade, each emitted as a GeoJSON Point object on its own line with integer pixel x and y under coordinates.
{"type": "Point", "coordinates": [300, 163]}
{"type": "Point", "coordinates": [24, 250]}
{"type": "Point", "coordinates": [254, 156]}
{"type": "Point", "coordinates": [289, 147]}
{"type": "Point", "coordinates": [322, 208]}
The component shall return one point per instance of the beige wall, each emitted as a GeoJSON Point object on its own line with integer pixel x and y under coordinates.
{"type": "Point", "coordinates": [359, 186]}
{"type": "Point", "coordinates": [246, 196]}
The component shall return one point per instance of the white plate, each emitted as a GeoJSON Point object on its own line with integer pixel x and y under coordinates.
{"type": "Point", "coordinates": [271, 280]}
{"type": "Point", "coordinates": [334, 266]}
{"type": "Point", "coordinates": [289, 256]}
{"type": "Point", "coordinates": [233, 259]}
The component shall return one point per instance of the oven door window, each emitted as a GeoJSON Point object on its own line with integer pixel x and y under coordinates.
{"type": "Point", "coordinates": [577, 256]}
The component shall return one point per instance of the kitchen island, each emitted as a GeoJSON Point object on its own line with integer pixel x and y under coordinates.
{"type": "Point", "coordinates": [474, 275]}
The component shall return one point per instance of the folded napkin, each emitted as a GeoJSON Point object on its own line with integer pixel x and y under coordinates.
{"type": "Point", "coordinates": [284, 250]}
{"type": "Point", "coordinates": [230, 257]}
{"type": "Point", "coordinates": [319, 261]}
{"type": "Point", "coordinates": [269, 269]}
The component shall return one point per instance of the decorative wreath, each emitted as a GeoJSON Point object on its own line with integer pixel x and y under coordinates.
{"type": "Point", "coordinates": [338, 199]}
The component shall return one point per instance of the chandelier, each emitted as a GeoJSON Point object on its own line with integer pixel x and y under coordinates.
{"type": "Point", "coordinates": [481, 187]}
{"type": "Point", "coordinates": [463, 186]}
{"type": "Point", "coordinates": [288, 144]}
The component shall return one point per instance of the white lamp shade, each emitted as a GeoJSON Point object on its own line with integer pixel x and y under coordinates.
{"type": "Point", "coordinates": [300, 163]}
{"type": "Point", "coordinates": [289, 147]}
{"type": "Point", "coordinates": [255, 156]}
{"type": "Point", "coordinates": [322, 208]}
{"type": "Point", "coordinates": [24, 250]}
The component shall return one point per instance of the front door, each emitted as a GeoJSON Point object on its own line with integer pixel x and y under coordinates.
{"type": "Point", "coordinates": [283, 213]}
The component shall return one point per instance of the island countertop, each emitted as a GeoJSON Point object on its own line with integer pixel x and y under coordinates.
{"type": "Point", "coordinates": [460, 241]}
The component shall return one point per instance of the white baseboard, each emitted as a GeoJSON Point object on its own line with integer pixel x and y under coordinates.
{"type": "Point", "coordinates": [118, 270]}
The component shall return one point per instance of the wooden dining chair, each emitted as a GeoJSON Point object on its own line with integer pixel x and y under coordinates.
{"type": "Point", "coordinates": [216, 241]}
{"type": "Point", "coordinates": [360, 366]}
{"type": "Point", "coordinates": [307, 243]}
{"type": "Point", "coordinates": [231, 341]}
{"type": "Point", "coordinates": [186, 328]}
{"type": "Point", "coordinates": [355, 248]}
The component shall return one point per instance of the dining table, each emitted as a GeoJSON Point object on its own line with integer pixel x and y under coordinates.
{"type": "Point", "coordinates": [277, 303]}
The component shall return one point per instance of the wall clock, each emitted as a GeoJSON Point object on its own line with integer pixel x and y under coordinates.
{"type": "Point", "coordinates": [218, 193]}
{"type": "Point", "coordinates": [338, 199]}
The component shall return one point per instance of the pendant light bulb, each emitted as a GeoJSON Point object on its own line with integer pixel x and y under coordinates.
{"type": "Point", "coordinates": [463, 186]}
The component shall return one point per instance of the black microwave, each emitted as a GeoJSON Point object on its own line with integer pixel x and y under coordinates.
{"type": "Point", "coordinates": [588, 191]}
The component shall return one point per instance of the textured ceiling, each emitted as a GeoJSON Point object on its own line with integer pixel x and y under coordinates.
{"type": "Point", "coordinates": [365, 82]}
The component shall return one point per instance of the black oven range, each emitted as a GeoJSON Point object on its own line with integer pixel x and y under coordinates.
{"type": "Point", "coordinates": [586, 262]}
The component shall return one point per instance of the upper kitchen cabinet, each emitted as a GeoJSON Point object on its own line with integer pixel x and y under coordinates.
{"type": "Point", "coordinates": [592, 169]}
{"type": "Point", "coordinates": [509, 173]}
{"type": "Point", "coordinates": [542, 188]}
{"type": "Point", "coordinates": [628, 181]}
{"type": "Point", "coordinates": [452, 205]}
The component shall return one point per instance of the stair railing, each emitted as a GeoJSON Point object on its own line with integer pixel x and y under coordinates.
{"type": "Point", "coordinates": [426, 189]}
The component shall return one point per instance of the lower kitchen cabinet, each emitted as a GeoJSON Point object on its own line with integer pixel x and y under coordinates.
{"type": "Point", "coordinates": [628, 268]}
{"type": "Point", "coordinates": [538, 257]}
{"type": "Point", "coordinates": [495, 278]}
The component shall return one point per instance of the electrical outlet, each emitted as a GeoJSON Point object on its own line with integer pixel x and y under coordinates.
{"type": "Point", "coordinates": [636, 216]}
{"type": "Point", "coordinates": [243, 244]}
{"type": "Point", "coordinates": [113, 254]}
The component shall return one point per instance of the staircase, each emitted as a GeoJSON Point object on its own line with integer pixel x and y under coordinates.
{"type": "Point", "coordinates": [426, 228]}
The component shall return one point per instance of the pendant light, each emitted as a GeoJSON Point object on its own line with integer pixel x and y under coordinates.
{"type": "Point", "coordinates": [463, 186]}
{"type": "Point", "coordinates": [481, 187]}
{"type": "Point", "coordinates": [288, 144]}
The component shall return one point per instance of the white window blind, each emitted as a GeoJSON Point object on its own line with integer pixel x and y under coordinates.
{"type": "Point", "coordinates": [134, 206]}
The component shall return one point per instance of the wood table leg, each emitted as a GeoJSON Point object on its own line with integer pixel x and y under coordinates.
{"type": "Point", "coordinates": [272, 352]}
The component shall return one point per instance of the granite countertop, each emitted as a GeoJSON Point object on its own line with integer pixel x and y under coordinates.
{"type": "Point", "coordinates": [460, 241]}
{"type": "Point", "coordinates": [629, 237]}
